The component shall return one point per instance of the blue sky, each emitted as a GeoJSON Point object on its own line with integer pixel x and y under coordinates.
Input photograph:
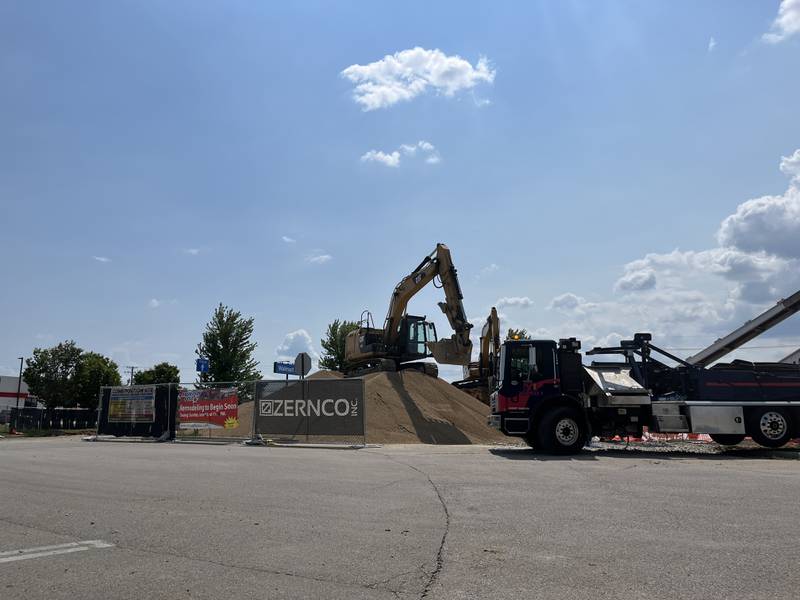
{"type": "Point", "coordinates": [597, 168]}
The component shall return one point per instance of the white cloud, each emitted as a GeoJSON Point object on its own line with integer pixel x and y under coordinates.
{"type": "Point", "coordinates": [691, 297]}
{"type": "Point", "coordinates": [294, 343]}
{"type": "Point", "coordinates": [288, 239]}
{"type": "Point", "coordinates": [712, 43]}
{"type": "Point", "coordinates": [786, 24]}
{"type": "Point", "coordinates": [404, 75]}
{"type": "Point", "coordinates": [790, 165]}
{"type": "Point", "coordinates": [101, 259]}
{"type": "Point", "coordinates": [392, 159]}
{"type": "Point", "coordinates": [636, 279]}
{"type": "Point", "coordinates": [768, 224]}
{"type": "Point", "coordinates": [570, 303]}
{"type": "Point", "coordinates": [319, 259]}
{"type": "Point", "coordinates": [192, 251]}
{"type": "Point", "coordinates": [154, 303]}
{"type": "Point", "coordinates": [514, 301]}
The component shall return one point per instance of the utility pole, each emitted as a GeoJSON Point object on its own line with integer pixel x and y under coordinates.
{"type": "Point", "coordinates": [130, 381]}
{"type": "Point", "coordinates": [19, 383]}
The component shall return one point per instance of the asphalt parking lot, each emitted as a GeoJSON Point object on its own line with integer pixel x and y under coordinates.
{"type": "Point", "coordinates": [125, 520]}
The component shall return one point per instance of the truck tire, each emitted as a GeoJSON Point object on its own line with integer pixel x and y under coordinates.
{"type": "Point", "coordinates": [561, 431]}
{"type": "Point", "coordinates": [770, 427]}
{"type": "Point", "coordinates": [727, 439]}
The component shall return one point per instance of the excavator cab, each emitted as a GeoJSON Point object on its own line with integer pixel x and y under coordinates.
{"type": "Point", "coordinates": [416, 333]}
{"type": "Point", "coordinates": [366, 345]}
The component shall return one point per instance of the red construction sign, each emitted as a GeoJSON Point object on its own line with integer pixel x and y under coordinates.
{"type": "Point", "coordinates": [208, 409]}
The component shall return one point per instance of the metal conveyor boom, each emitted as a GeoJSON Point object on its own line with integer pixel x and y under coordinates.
{"type": "Point", "coordinates": [764, 322]}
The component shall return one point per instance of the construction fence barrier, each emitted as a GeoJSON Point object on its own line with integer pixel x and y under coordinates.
{"type": "Point", "coordinates": [33, 418]}
{"type": "Point", "coordinates": [312, 410]}
{"type": "Point", "coordinates": [323, 411]}
{"type": "Point", "coordinates": [138, 410]}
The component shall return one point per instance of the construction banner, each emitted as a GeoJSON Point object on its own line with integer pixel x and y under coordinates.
{"type": "Point", "coordinates": [143, 410]}
{"type": "Point", "coordinates": [213, 408]}
{"type": "Point", "coordinates": [132, 404]}
{"type": "Point", "coordinates": [312, 407]}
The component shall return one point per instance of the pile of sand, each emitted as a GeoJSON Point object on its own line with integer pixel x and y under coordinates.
{"type": "Point", "coordinates": [410, 407]}
{"type": "Point", "coordinates": [407, 407]}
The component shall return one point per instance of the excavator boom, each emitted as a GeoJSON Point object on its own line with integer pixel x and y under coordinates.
{"type": "Point", "coordinates": [405, 337]}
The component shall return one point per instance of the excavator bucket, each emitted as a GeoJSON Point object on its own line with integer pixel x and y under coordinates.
{"type": "Point", "coordinates": [450, 352]}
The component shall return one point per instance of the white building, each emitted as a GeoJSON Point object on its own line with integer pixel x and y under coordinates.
{"type": "Point", "coordinates": [8, 395]}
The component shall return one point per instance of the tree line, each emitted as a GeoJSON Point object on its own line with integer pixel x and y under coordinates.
{"type": "Point", "coordinates": [66, 375]}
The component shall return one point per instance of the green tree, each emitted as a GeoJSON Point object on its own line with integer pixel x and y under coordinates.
{"type": "Point", "coordinates": [333, 345]}
{"type": "Point", "coordinates": [160, 373]}
{"type": "Point", "coordinates": [50, 373]}
{"type": "Point", "coordinates": [93, 372]}
{"type": "Point", "coordinates": [517, 334]}
{"type": "Point", "coordinates": [227, 346]}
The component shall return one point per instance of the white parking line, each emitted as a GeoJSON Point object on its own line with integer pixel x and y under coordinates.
{"type": "Point", "coordinates": [42, 551]}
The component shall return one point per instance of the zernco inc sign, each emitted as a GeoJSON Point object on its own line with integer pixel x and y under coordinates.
{"type": "Point", "coordinates": [327, 407]}
{"type": "Point", "coordinates": [311, 407]}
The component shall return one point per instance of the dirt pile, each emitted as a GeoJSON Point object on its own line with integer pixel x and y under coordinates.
{"type": "Point", "coordinates": [409, 407]}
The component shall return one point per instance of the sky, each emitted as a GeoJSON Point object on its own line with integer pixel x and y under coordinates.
{"type": "Point", "coordinates": [596, 168]}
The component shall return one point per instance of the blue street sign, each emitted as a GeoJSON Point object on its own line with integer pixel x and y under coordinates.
{"type": "Point", "coordinates": [201, 364]}
{"type": "Point", "coordinates": [284, 368]}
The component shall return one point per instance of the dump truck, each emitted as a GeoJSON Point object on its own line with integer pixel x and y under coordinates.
{"type": "Point", "coordinates": [545, 394]}
{"type": "Point", "coordinates": [404, 340]}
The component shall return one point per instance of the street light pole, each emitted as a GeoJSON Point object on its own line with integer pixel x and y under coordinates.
{"type": "Point", "coordinates": [19, 383]}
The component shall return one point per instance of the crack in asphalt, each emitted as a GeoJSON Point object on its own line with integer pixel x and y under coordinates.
{"type": "Point", "coordinates": [440, 552]}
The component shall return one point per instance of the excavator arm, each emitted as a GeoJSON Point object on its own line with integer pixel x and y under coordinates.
{"type": "Point", "coordinates": [456, 350]}
{"type": "Point", "coordinates": [490, 344]}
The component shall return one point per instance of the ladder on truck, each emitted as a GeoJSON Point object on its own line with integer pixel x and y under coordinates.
{"type": "Point", "coordinates": [784, 309]}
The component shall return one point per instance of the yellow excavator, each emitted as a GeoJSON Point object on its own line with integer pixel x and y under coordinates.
{"type": "Point", "coordinates": [479, 376]}
{"type": "Point", "coordinates": [406, 338]}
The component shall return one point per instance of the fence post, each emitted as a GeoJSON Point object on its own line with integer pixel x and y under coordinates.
{"type": "Point", "coordinates": [255, 412]}
{"type": "Point", "coordinates": [363, 413]}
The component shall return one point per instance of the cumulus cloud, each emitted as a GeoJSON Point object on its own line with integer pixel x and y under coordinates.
{"type": "Point", "coordinates": [571, 303]}
{"type": "Point", "coordinates": [425, 150]}
{"type": "Point", "coordinates": [288, 239]}
{"type": "Point", "coordinates": [636, 279]}
{"type": "Point", "coordinates": [154, 303]}
{"type": "Point", "coordinates": [691, 297]}
{"type": "Point", "coordinates": [404, 75]}
{"type": "Point", "coordinates": [102, 259]}
{"type": "Point", "coordinates": [790, 165]}
{"type": "Point", "coordinates": [392, 159]}
{"type": "Point", "coordinates": [319, 259]}
{"type": "Point", "coordinates": [294, 343]}
{"type": "Point", "coordinates": [192, 251]}
{"type": "Point", "coordinates": [786, 24]}
{"type": "Point", "coordinates": [514, 301]}
{"type": "Point", "coordinates": [712, 43]}
{"type": "Point", "coordinates": [768, 224]}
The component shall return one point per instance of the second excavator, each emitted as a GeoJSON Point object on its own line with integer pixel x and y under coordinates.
{"type": "Point", "coordinates": [406, 338]}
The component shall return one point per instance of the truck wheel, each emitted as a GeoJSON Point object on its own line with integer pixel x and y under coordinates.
{"type": "Point", "coordinates": [770, 427]}
{"type": "Point", "coordinates": [561, 431]}
{"type": "Point", "coordinates": [727, 439]}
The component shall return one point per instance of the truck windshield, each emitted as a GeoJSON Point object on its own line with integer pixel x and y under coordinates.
{"type": "Point", "coordinates": [519, 363]}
